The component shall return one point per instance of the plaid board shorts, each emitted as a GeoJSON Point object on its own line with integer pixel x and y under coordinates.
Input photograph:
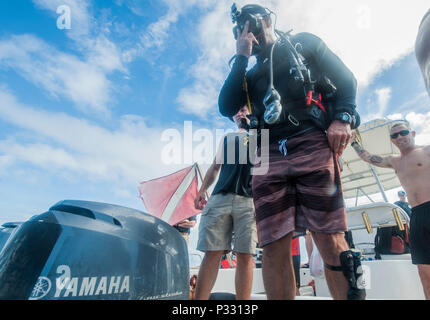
{"type": "Point", "coordinates": [301, 190]}
{"type": "Point", "coordinates": [223, 216]}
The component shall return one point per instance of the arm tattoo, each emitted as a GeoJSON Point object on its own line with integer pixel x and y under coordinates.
{"type": "Point", "coordinates": [376, 159]}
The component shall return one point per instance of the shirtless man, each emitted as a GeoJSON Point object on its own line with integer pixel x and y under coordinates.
{"type": "Point", "coordinates": [412, 167]}
{"type": "Point", "coordinates": [422, 49]}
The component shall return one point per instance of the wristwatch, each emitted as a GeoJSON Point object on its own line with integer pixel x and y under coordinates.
{"type": "Point", "coordinates": [344, 117]}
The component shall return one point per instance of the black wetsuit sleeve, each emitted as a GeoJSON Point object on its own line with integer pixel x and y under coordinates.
{"type": "Point", "coordinates": [331, 66]}
{"type": "Point", "coordinates": [233, 96]}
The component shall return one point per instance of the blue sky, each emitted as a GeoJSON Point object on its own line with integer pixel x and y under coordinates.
{"type": "Point", "coordinates": [83, 110]}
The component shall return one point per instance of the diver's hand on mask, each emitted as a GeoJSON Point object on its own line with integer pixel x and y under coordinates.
{"type": "Point", "coordinates": [245, 41]}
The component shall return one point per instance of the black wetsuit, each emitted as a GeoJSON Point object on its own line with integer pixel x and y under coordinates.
{"type": "Point", "coordinates": [321, 61]}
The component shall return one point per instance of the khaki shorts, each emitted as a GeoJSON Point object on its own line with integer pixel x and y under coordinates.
{"type": "Point", "coordinates": [223, 215]}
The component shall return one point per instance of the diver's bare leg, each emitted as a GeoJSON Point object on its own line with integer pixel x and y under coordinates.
{"type": "Point", "coordinates": [278, 271]}
{"type": "Point", "coordinates": [243, 276]}
{"type": "Point", "coordinates": [330, 245]}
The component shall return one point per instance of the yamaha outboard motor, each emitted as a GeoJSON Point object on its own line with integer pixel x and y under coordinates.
{"type": "Point", "coordinates": [89, 250]}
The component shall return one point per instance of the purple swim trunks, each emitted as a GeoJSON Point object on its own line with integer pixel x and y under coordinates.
{"type": "Point", "coordinates": [301, 190]}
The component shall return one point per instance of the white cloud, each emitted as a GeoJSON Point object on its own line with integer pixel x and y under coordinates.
{"type": "Point", "coordinates": [59, 142]}
{"type": "Point", "coordinates": [208, 73]}
{"type": "Point", "coordinates": [127, 153]}
{"type": "Point", "coordinates": [39, 154]}
{"type": "Point", "coordinates": [83, 80]}
{"type": "Point", "coordinates": [154, 38]}
{"type": "Point", "coordinates": [366, 35]}
{"type": "Point", "coordinates": [81, 20]}
{"type": "Point", "coordinates": [383, 97]}
{"type": "Point", "coordinates": [395, 116]}
{"type": "Point", "coordinates": [59, 73]}
{"type": "Point", "coordinates": [105, 54]}
{"type": "Point", "coordinates": [5, 162]}
{"type": "Point", "coordinates": [157, 32]}
{"type": "Point", "coordinates": [420, 122]}
{"type": "Point", "coordinates": [421, 100]}
{"type": "Point", "coordinates": [89, 34]}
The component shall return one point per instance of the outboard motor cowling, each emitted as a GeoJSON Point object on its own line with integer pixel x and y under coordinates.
{"type": "Point", "coordinates": [89, 250]}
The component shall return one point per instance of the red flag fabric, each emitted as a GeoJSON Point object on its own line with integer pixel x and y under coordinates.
{"type": "Point", "coordinates": [171, 198]}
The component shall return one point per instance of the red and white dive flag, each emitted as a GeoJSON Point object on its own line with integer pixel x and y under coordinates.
{"type": "Point", "coordinates": [171, 198]}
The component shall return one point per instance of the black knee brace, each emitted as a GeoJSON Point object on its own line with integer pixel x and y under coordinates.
{"type": "Point", "coordinates": [352, 270]}
{"type": "Point", "coordinates": [350, 265]}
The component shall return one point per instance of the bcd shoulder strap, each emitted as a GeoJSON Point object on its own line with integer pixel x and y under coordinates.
{"type": "Point", "coordinates": [248, 100]}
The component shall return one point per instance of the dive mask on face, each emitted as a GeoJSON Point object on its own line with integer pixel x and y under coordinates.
{"type": "Point", "coordinates": [252, 13]}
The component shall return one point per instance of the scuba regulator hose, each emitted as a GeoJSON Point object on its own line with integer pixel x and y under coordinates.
{"type": "Point", "coordinates": [272, 100]}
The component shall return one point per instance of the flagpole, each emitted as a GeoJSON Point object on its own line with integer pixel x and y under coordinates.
{"type": "Point", "coordinates": [201, 176]}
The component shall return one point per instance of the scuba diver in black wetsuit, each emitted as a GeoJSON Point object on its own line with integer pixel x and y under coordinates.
{"type": "Point", "coordinates": [299, 90]}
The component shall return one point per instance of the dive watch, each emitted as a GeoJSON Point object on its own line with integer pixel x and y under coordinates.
{"type": "Point", "coordinates": [344, 117]}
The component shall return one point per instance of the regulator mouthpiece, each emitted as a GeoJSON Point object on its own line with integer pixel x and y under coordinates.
{"type": "Point", "coordinates": [272, 102]}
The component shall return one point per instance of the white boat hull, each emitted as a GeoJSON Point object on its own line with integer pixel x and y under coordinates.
{"type": "Point", "coordinates": [387, 280]}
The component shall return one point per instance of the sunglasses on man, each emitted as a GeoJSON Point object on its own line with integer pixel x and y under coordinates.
{"type": "Point", "coordinates": [402, 133]}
